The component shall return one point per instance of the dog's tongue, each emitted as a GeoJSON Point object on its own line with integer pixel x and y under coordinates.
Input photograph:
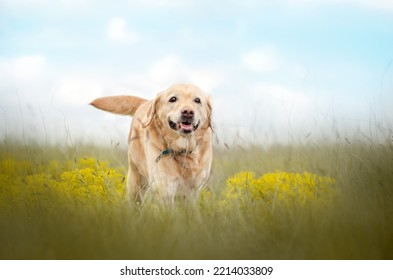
{"type": "Point", "coordinates": [186, 126]}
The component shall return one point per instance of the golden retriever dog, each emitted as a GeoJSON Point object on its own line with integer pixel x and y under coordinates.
{"type": "Point", "coordinates": [170, 142]}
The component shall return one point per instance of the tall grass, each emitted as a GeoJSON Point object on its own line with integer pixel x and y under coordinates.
{"type": "Point", "coordinates": [356, 224]}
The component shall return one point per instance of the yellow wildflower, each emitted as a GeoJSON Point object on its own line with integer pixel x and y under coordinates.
{"type": "Point", "coordinates": [91, 182]}
{"type": "Point", "coordinates": [286, 189]}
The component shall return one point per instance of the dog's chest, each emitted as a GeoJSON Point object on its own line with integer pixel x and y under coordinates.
{"type": "Point", "coordinates": [187, 165]}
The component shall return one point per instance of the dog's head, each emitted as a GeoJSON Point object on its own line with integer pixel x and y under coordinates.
{"type": "Point", "coordinates": [182, 109]}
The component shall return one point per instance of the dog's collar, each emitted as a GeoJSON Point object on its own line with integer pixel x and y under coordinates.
{"type": "Point", "coordinates": [172, 153]}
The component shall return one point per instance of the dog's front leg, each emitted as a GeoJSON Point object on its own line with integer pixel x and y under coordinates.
{"type": "Point", "coordinates": [134, 188]}
{"type": "Point", "coordinates": [163, 188]}
{"type": "Point", "coordinates": [163, 180]}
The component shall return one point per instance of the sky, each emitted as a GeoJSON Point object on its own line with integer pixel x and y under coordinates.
{"type": "Point", "coordinates": [277, 71]}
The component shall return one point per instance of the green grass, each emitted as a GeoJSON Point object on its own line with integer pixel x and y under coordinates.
{"type": "Point", "coordinates": [357, 224]}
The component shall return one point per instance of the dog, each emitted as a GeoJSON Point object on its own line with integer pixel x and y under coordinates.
{"type": "Point", "coordinates": [170, 149]}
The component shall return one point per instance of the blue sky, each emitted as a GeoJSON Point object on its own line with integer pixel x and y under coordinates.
{"type": "Point", "coordinates": [275, 69]}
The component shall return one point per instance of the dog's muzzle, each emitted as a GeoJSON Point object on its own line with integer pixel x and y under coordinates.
{"type": "Point", "coordinates": [185, 125]}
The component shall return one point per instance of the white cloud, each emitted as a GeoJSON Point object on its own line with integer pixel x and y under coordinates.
{"type": "Point", "coordinates": [168, 70]}
{"type": "Point", "coordinates": [46, 6]}
{"type": "Point", "coordinates": [207, 79]}
{"type": "Point", "coordinates": [163, 3]}
{"type": "Point", "coordinates": [172, 69]}
{"type": "Point", "coordinates": [118, 31]}
{"type": "Point", "coordinates": [81, 88]}
{"type": "Point", "coordinates": [74, 90]}
{"type": "Point", "coordinates": [382, 5]}
{"type": "Point", "coordinates": [30, 68]}
{"type": "Point", "coordinates": [263, 60]}
{"type": "Point", "coordinates": [281, 100]}
{"type": "Point", "coordinates": [378, 4]}
{"type": "Point", "coordinates": [6, 75]}
{"type": "Point", "coordinates": [29, 76]}
{"type": "Point", "coordinates": [281, 93]}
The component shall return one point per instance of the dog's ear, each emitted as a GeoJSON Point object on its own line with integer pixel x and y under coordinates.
{"type": "Point", "coordinates": [150, 112]}
{"type": "Point", "coordinates": [209, 112]}
{"type": "Point", "coordinates": [121, 104]}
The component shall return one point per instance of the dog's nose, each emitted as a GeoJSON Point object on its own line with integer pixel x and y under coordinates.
{"type": "Point", "coordinates": [187, 112]}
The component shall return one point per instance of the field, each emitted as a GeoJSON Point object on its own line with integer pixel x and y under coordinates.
{"type": "Point", "coordinates": [316, 200]}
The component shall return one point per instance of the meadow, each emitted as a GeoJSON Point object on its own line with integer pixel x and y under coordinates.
{"type": "Point", "coordinates": [311, 200]}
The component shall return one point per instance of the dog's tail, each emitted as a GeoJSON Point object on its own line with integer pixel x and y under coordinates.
{"type": "Point", "coordinates": [121, 104]}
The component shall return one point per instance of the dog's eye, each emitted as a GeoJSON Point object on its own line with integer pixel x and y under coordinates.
{"type": "Point", "coordinates": [173, 99]}
{"type": "Point", "coordinates": [197, 100]}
